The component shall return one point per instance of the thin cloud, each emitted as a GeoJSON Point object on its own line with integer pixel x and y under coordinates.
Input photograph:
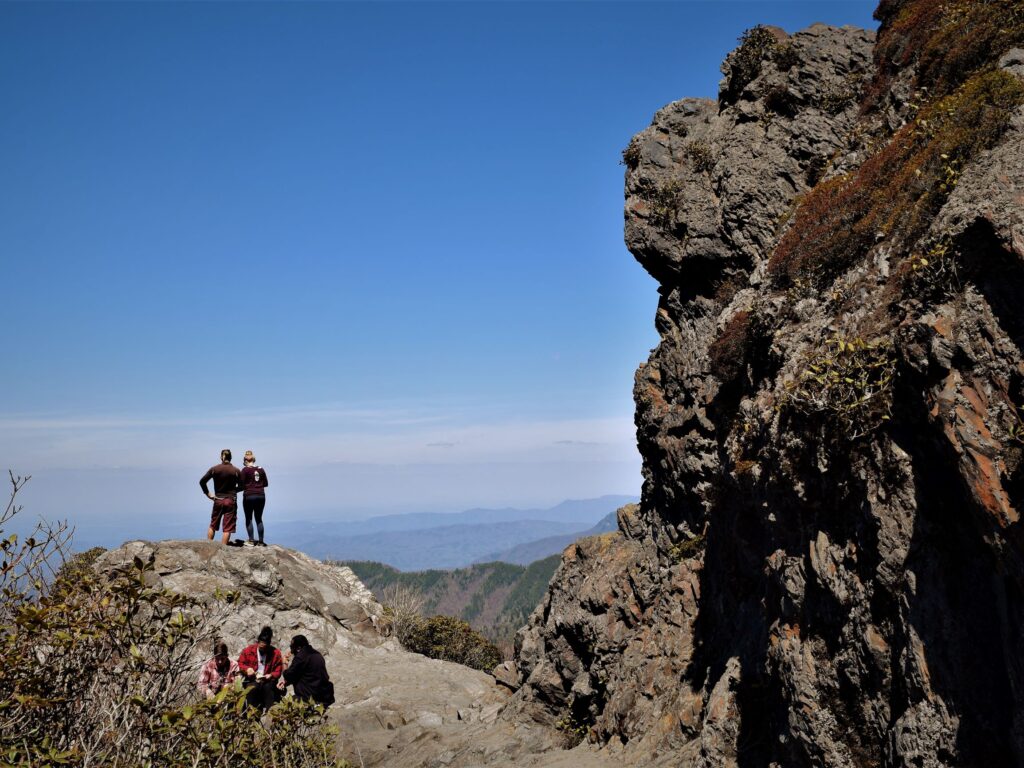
{"type": "Point", "coordinates": [261, 416]}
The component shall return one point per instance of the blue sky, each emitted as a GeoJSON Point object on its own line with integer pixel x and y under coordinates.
{"type": "Point", "coordinates": [380, 244]}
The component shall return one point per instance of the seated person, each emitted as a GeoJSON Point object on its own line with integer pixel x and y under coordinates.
{"type": "Point", "coordinates": [218, 672]}
{"type": "Point", "coordinates": [307, 674]}
{"type": "Point", "coordinates": [261, 666]}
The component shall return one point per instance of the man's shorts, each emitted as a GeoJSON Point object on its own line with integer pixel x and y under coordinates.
{"type": "Point", "coordinates": [226, 509]}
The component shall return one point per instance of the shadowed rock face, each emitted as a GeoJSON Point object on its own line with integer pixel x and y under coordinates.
{"type": "Point", "coordinates": [826, 566]}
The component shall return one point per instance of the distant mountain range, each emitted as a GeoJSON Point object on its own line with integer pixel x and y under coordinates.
{"type": "Point", "coordinates": [421, 541]}
{"type": "Point", "coordinates": [495, 598]}
{"type": "Point", "coordinates": [524, 554]}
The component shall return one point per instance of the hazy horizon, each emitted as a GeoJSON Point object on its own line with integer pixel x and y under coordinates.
{"type": "Point", "coordinates": [379, 244]}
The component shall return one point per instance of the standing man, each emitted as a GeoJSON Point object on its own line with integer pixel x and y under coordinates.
{"type": "Point", "coordinates": [226, 483]}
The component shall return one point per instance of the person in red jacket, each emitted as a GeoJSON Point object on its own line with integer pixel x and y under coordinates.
{"type": "Point", "coordinates": [261, 665]}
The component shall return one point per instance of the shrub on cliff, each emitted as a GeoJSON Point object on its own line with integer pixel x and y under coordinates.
{"type": "Point", "coordinates": [451, 639]}
{"type": "Point", "coordinates": [757, 45]}
{"type": "Point", "coordinates": [402, 606]}
{"type": "Point", "coordinates": [848, 384]}
{"type": "Point", "coordinates": [961, 107]}
{"type": "Point", "coordinates": [102, 671]}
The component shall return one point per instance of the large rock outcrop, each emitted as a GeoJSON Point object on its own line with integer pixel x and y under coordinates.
{"type": "Point", "coordinates": [394, 708]}
{"type": "Point", "coordinates": [826, 567]}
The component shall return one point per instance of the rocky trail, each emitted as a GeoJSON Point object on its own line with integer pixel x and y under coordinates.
{"type": "Point", "coordinates": [394, 708]}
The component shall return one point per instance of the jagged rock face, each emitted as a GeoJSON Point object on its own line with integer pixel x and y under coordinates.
{"type": "Point", "coordinates": [826, 566]}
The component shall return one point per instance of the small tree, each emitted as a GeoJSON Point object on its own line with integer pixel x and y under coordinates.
{"type": "Point", "coordinates": [402, 606]}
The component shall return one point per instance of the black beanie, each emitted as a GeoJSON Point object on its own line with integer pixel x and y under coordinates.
{"type": "Point", "coordinates": [265, 635]}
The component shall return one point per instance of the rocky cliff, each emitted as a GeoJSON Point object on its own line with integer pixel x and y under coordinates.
{"type": "Point", "coordinates": [826, 568]}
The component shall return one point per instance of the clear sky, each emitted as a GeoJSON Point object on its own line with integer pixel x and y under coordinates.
{"type": "Point", "coordinates": [378, 243]}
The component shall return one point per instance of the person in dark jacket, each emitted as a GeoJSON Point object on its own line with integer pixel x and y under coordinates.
{"type": "Point", "coordinates": [254, 480]}
{"type": "Point", "coordinates": [307, 674]}
{"type": "Point", "coordinates": [226, 484]}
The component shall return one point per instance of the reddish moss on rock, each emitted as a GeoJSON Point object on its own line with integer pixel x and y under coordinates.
{"type": "Point", "coordinates": [728, 354]}
{"type": "Point", "coordinates": [947, 41]}
{"type": "Point", "coordinates": [896, 192]}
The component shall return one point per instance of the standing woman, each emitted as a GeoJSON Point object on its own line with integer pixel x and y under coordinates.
{"type": "Point", "coordinates": [254, 480]}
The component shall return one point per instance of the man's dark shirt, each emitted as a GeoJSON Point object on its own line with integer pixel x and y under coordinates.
{"type": "Point", "coordinates": [307, 674]}
{"type": "Point", "coordinates": [226, 479]}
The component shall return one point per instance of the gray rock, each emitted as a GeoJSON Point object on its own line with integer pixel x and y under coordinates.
{"type": "Point", "coordinates": [794, 589]}
{"type": "Point", "coordinates": [387, 699]}
{"type": "Point", "coordinates": [1013, 61]}
{"type": "Point", "coordinates": [507, 673]}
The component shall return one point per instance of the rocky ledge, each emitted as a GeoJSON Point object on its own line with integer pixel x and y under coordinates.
{"type": "Point", "coordinates": [393, 707]}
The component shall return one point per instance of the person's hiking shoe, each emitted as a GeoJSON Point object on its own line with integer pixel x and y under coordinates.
{"type": "Point", "coordinates": [261, 543]}
{"type": "Point", "coordinates": [249, 543]}
{"type": "Point", "coordinates": [236, 543]}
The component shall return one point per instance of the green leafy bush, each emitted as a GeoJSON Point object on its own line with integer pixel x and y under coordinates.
{"type": "Point", "coordinates": [687, 548]}
{"type": "Point", "coordinates": [451, 639]}
{"type": "Point", "coordinates": [933, 273]}
{"type": "Point", "coordinates": [101, 670]}
{"type": "Point", "coordinates": [573, 731]}
{"type": "Point", "coordinates": [849, 383]}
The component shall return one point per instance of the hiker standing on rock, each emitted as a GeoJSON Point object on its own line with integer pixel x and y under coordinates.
{"type": "Point", "coordinates": [254, 480]}
{"type": "Point", "coordinates": [307, 674]}
{"type": "Point", "coordinates": [261, 664]}
{"type": "Point", "coordinates": [226, 478]}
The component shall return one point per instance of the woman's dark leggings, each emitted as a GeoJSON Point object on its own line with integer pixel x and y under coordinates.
{"type": "Point", "coordinates": [253, 506]}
